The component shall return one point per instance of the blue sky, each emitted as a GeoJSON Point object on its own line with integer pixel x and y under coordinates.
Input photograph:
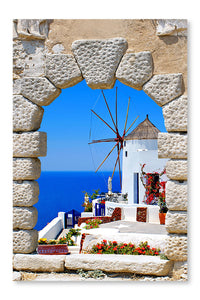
{"type": "Point", "coordinates": [70, 125]}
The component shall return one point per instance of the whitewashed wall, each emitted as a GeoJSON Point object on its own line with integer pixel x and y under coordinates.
{"type": "Point", "coordinates": [139, 152]}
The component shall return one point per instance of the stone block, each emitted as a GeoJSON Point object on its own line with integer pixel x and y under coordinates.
{"type": "Point", "coordinates": [29, 144]}
{"type": "Point", "coordinates": [28, 58]}
{"type": "Point", "coordinates": [175, 114]}
{"type": "Point", "coordinates": [32, 29]}
{"type": "Point", "coordinates": [176, 169]}
{"type": "Point", "coordinates": [172, 145]}
{"type": "Point", "coordinates": [176, 195]}
{"type": "Point", "coordinates": [176, 247]}
{"type": "Point", "coordinates": [144, 265]}
{"type": "Point", "coordinates": [176, 222]}
{"type": "Point", "coordinates": [62, 70]}
{"type": "Point", "coordinates": [17, 276]}
{"type": "Point", "coordinates": [25, 193]}
{"type": "Point", "coordinates": [171, 27]}
{"type": "Point", "coordinates": [99, 59]}
{"type": "Point", "coordinates": [24, 217]}
{"type": "Point", "coordinates": [135, 69]}
{"type": "Point", "coordinates": [26, 168]}
{"type": "Point", "coordinates": [17, 87]}
{"type": "Point", "coordinates": [164, 88]}
{"type": "Point", "coordinates": [27, 116]}
{"type": "Point", "coordinates": [39, 90]}
{"type": "Point", "coordinates": [25, 241]}
{"type": "Point", "coordinates": [180, 270]}
{"type": "Point", "coordinates": [39, 263]}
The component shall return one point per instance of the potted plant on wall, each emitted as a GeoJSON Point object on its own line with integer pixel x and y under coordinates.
{"type": "Point", "coordinates": [52, 247]}
{"type": "Point", "coordinates": [161, 202]}
{"type": "Point", "coordinates": [155, 191]}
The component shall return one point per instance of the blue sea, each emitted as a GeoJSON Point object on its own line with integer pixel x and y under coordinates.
{"type": "Point", "coordinates": [63, 191]}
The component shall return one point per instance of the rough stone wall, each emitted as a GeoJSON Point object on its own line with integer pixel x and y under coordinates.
{"type": "Point", "coordinates": [165, 39]}
{"type": "Point", "coordinates": [144, 54]}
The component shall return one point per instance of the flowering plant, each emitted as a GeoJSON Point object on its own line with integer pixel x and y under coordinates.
{"type": "Point", "coordinates": [88, 200]}
{"type": "Point", "coordinates": [62, 240]}
{"type": "Point", "coordinates": [123, 248]}
{"type": "Point", "coordinates": [154, 188]}
{"type": "Point", "coordinates": [94, 223]}
{"type": "Point", "coordinates": [43, 241]}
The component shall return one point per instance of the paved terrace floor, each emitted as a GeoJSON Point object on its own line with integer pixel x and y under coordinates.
{"type": "Point", "coordinates": [135, 227]}
{"type": "Point", "coordinates": [130, 227]}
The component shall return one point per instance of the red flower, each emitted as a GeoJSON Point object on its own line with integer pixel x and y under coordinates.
{"type": "Point", "coordinates": [104, 241]}
{"type": "Point", "coordinates": [115, 249]}
{"type": "Point", "coordinates": [114, 243]}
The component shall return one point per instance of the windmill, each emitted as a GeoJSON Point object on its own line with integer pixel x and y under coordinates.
{"type": "Point", "coordinates": [118, 139]}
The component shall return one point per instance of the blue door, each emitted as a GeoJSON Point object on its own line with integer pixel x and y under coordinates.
{"type": "Point", "coordinates": [136, 188]}
{"type": "Point", "coordinates": [99, 209]}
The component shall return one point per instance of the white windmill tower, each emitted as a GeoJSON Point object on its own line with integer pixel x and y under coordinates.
{"type": "Point", "coordinates": [140, 147]}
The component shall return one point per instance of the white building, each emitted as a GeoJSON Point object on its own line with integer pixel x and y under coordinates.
{"type": "Point", "coordinates": [140, 147]}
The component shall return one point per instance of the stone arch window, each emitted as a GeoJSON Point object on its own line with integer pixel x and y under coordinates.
{"type": "Point", "coordinates": [100, 63]}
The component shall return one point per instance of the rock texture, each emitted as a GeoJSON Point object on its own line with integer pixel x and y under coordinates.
{"type": "Point", "coordinates": [62, 70]}
{"type": "Point", "coordinates": [176, 222]}
{"type": "Point", "coordinates": [29, 144]}
{"type": "Point", "coordinates": [99, 59]}
{"type": "Point", "coordinates": [176, 169]}
{"type": "Point", "coordinates": [39, 263]}
{"type": "Point", "coordinates": [180, 269]}
{"type": "Point", "coordinates": [25, 241]}
{"type": "Point", "coordinates": [119, 263]}
{"type": "Point", "coordinates": [25, 193]}
{"type": "Point", "coordinates": [169, 52]}
{"type": "Point", "coordinates": [176, 247]}
{"type": "Point", "coordinates": [171, 27]}
{"type": "Point", "coordinates": [24, 217]}
{"type": "Point", "coordinates": [175, 114]}
{"type": "Point", "coordinates": [164, 88]}
{"type": "Point", "coordinates": [39, 90]}
{"type": "Point", "coordinates": [28, 58]}
{"type": "Point", "coordinates": [17, 276]}
{"type": "Point", "coordinates": [135, 69]}
{"type": "Point", "coordinates": [172, 145]}
{"type": "Point", "coordinates": [31, 28]}
{"type": "Point", "coordinates": [27, 116]}
{"type": "Point", "coordinates": [176, 195]}
{"type": "Point", "coordinates": [26, 168]}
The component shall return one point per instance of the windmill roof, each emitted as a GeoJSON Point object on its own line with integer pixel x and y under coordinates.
{"type": "Point", "coordinates": [144, 131]}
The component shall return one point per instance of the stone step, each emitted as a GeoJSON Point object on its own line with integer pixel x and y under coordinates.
{"type": "Point", "coordinates": [74, 249]}
{"type": "Point", "coordinates": [39, 263]}
{"type": "Point", "coordinates": [145, 265]}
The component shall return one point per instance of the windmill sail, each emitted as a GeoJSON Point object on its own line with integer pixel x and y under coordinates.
{"type": "Point", "coordinates": [118, 139]}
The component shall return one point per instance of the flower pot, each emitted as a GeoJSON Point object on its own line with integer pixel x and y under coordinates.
{"type": "Point", "coordinates": [162, 218]}
{"type": "Point", "coordinates": [61, 249]}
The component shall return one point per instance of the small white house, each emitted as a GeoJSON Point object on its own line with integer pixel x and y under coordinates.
{"type": "Point", "coordinates": [140, 147]}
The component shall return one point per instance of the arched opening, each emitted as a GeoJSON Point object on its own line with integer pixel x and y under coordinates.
{"type": "Point", "coordinates": [69, 167]}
